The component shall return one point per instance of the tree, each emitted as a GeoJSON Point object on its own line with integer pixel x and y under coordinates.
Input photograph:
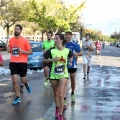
{"type": "Point", "coordinates": [95, 35]}
{"type": "Point", "coordinates": [54, 16]}
{"type": "Point", "coordinates": [4, 2]}
{"type": "Point", "coordinates": [16, 10]}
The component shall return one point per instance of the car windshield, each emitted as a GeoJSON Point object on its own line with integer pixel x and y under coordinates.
{"type": "Point", "coordinates": [36, 47]}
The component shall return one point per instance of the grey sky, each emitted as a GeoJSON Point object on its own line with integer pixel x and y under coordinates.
{"type": "Point", "coordinates": [101, 14]}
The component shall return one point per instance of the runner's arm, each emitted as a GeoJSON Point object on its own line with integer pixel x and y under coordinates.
{"type": "Point", "coordinates": [1, 61]}
{"type": "Point", "coordinates": [9, 47]}
{"type": "Point", "coordinates": [78, 50]}
{"type": "Point", "coordinates": [29, 52]}
{"type": "Point", "coordinates": [70, 56]}
{"type": "Point", "coordinates": [46, 57]}
{"type": "Point", "coordinates": [91, 47]}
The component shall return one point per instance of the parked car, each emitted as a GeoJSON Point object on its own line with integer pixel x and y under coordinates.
{"type": "Point", "coordinates": [35, 60]}
{"type": "Point", "coordinates": [2, 45]}
{"type": "Point", "coordinates": [117, 44]}
{"type": "Point", "coordinates": [111, 44]}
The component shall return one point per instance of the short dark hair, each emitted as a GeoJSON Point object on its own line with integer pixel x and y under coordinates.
{"type": "Point", "coordinates": [87, 35]}
{"type": "Point", "coordinates": [61, 36]}
{"type": "Point", "coordinates": [19, 26]}
{"type": "Point", "coordinates": [50, 32]}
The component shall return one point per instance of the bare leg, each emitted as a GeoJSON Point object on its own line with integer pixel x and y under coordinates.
{"type": "Point", "coordinates": [88, 70]}
{"type": "Point", "coordinates": [85, 70]}
{"type": "Point", "coordinates": [55, 86]}
{"type": "Point", "coordinates": [15, 84]}
{"type": "Point", "coordinates": [46, 72]}
{"type": "Point", "coordinates": [73, 82]}
{"type": "Point", "coordinates": [62, 86]}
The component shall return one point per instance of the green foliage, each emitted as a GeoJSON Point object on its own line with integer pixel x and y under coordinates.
{"type": "Point", "coordinates": [95, 35]}
{"type": "Point", "coordinates": [15, 10]}
{"type": "Point", "coordinates": [53, 15]}
{"type": "Point", "coordinates": [4, 2]}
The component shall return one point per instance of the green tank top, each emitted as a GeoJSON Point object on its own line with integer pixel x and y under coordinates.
{"type": "Point", "coordinates": [47, 45]}
{"type": "Point", "coordinates": [59, 69]}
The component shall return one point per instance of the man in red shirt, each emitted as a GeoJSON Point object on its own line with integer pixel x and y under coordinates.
{"type": "Point", "coordinates": [19, 47]}
{"type": "Point", "coordinates": [98, 48]}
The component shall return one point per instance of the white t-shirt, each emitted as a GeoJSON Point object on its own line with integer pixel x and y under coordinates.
{"type": "Point", "coordinates": [85, 48]}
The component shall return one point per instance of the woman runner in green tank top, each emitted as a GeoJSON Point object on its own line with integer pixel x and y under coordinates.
{"type": "Point", "coordinates": [58, 72]}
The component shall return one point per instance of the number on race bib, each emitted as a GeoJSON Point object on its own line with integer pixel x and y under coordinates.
{"type": "Point", "coordinates": [15, 52]}
{"type": "Point", "coordinates": [59, 69]}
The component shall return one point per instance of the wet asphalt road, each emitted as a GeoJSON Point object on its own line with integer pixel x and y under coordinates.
{"type": "Point", "coordinates": [97, 98]}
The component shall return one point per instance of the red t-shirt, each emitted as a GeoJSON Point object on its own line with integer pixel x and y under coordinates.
{"type": "Point", "coordinates": [98, 45]}
{"type": "Point", "coordinates": [1, 59]}
{"type": "Point", "coordinates": [14, 44]}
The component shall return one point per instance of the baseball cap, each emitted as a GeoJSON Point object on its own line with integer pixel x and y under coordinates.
{"type": "Point", "coordinates": [68, 31]}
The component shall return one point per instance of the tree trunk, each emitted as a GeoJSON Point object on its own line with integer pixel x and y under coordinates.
{"type": "Point", "coordinates": [8, 28]}
{"type": "Point", "coordinates": [42, 35]}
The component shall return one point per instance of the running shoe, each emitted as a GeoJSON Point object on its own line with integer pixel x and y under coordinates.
{"type": "Point", "coordinates": [84, 77]}
{"type": "Point", "coordinates": [65, 103]}
{"type": "Point", "coordinates": [46, 82]}
{"type": "Point", "coordinates": [73, 97]}
{"type": "Point", "coordinates": [57, 113]}
{"type": "Point", "coordinates": [16, 101]}
{"type": "Point", "coordinates": [49, 83]}
{"type": "Point", "coordinates": [28, 89]}
{"type": "Point", "coordinates": [60, 117]}
{"type": "Point", "coordinates": [21, 87]}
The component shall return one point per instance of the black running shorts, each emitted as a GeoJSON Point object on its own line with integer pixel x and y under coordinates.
{"type": "Point", "coordinates": [18, 68]}
{"type": "Point", "coordinates": [72, 70]}
{"type": "Point", "coordinates": [46, 64]}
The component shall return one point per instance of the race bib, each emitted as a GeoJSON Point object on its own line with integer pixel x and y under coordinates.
{"type": "Point", "coordinates": [85, 49]}
{"type": "Point", "coordinates": [59, 69]}
{"type": "Point", "coordinates": [15, 52]}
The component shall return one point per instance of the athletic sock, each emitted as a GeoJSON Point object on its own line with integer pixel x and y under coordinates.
{"type": "Point", "coordinates": [26, 85]}
{"type": "Point", "coordinates": [72, 92]}
{"type": "Point", "coordinates": [17, 97]}
{"type": "Point", "coordinates": [64, 98]}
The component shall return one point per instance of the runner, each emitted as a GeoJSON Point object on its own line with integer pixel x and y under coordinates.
{"type": "Point", "coordinates": [88, 47]}
{"type": "Point", "coordinates": [1, 60]}
{"type": "Point", "coordinates": [98, 47]}
{"type": "Point", "coordinates": [75, 48]}
{"type": "Point", "coordinates": [58, 72]}
{"type": "Point", "coordinates": [47, 44]}
{"type": "Point", "coordinates": [19, 48]}
{"type": "Point", "coordinates": [103, 44]}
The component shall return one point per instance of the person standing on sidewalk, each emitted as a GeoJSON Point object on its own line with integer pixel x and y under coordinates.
{"type": "Point", "coordinates": [1, 60]}
{"type": "Point", "coordinates": [58, 71]}
{"type": "Point", "coordinates": [19, 47]}
{"type": "Point", "coordinates": [47, 44]}
{"type": "Point", "coordinates": [76, 50]}
{"type": "Point", "coordinates": [87, 47]}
